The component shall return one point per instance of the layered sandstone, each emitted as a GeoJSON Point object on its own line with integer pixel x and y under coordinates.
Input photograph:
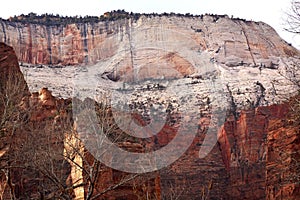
{"type": "Point", "coordinates": [233, 41]}
{"type": "Point", "coordinates": [194, 69]}
{"type": "Point", "coordinates": [282, 168]}
{"type": "Point", "coordinates": [10, 73]}
{"type": "Point", "coordinates": [248, 58]}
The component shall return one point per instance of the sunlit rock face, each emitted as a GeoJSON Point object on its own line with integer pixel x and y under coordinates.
{"type": "Point", "coordinates": [248, 57]}
{"type": "Point", "coordinates": [195, 67]}
{"type": "Point", "coordinates": [233, 41]}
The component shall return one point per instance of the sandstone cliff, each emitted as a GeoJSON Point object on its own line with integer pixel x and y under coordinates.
{"type": "Point", "coordinates": [10, 73]}
{"type": "Point", "coordinates": [250, 59]}
{"type": "Point", "coordinates": [282, 159]}
{"type": "Point", "coordinates": [233, 41]}
{"type": "Point", "coordinates": [256, 158]}
{"type": "Point", "coordinates": [13, 88]}
{"type": "Point", "coordinates": [208, 62]}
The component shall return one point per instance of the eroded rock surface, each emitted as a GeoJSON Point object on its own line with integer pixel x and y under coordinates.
{"type": "Point", "coordinates": [233, 41]}
{"type": "Point", "coordinates": [209, 71]}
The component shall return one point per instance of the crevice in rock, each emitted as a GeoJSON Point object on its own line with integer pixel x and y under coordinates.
{"type": "Point", "coordinates": [85, 43]}
{"type": "Point", "coordinates": [128, 33]}
{"type": "Point", "coordinates": [274, 88]}
{"type": "Point", "coordinates": [20, 42]}
{"type": "Point", "coordinates": [261, 96]}
{"type": "Point", "coordinates": [247, 41]}
{"type": "Point", "coordinates": [48, 29]}
{"type": "Point", "coordinates": [4, 32]}
{"type": "Point", "coordinates": [29, 49]}
{"type": "Point", "coordinates": [233, 106]}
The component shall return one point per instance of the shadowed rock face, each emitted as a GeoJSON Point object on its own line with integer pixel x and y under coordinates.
{"type": "Point", "coordinates": [10, 72]}
{"type": "Point", "coordinates": [13, 88]}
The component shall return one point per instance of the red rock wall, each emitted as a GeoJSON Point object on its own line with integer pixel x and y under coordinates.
{"type": "Point", "coordinates": [73, 44]}
{"type": "Point", "coordinates": [283, 158]}
{"type": "Point", "coordinates": [244, 164]}
{"type": "Point", "coordinates": [66, 45]}
{"type": "Point", "coordinates": [10, 71]}
{"type": "Point", "coordinates": [257, 155]}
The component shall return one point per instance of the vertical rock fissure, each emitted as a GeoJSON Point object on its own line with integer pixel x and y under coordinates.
{"type": "Point", "coordinates": [61, 42]}
{"type": "Point", "coordinates": [233, 106]}
{"type": "Point", "coordinates": [20, 42]}
{"type": "Point", "coordinates": [272, 45]}
{"type": "Point", "coordinates": [274, 88]}
{"type": "Point", "coordinates": [85, 43]}
{"type": "Point", "coordinates": [49, 49]}
{"type": "Point", "coordinates": [29, 50]}
{"type": "Point", "coordinates": [247, 41]}
{"type": "Point", "coordinates": [129, 35]}
{"type": "Point", "coordinates": [121, 32]}
{"type": "Point", "coordinates": [4, 32]}
{"type": "Point", "coordinates": [261, 96]}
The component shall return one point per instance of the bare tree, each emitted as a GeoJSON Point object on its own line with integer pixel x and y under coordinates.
{"type": "Point", "coordinates": [47, 160]}
{"type": "Point", "coordinates": [292, 72]}
{"type": "Point", "coordinates": [12, 118]}
{"type": "Point", "coordinates": [90, 170]}
{"type": "Point", "coordinates": [292, 24]}
{"type": "Point", "coordinates": [293, 17]}
{"type": "Point", "coordinates": [287, 169]}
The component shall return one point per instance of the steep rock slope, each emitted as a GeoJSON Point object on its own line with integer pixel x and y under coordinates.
{"type": "Point", "coordinates": [250, 59]}
{"type": "Point", "coordinates": [10, 72]}
{"type": "Point", "coordinates": [232, 40]}
{"type": "Point", "coordinates": [282, 167]}
{"type": "Point", "coordinates": [13, 88]}
{"type": "Point", "coordinates": [183, 55]}
{"type": "Point", "coordinates": [245, 164]}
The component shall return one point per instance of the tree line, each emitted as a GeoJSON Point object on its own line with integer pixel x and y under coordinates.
{"type": "Point", "coordinates": [56, 19]}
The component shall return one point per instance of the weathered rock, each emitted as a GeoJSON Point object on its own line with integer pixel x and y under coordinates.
{"type": "Point", "coordinates": [248, 57]}
{"type": "Point", "coordinates": [13, 89]}
{"type": "Point", "coordinates": [87, 43]}
{"type": "Point", "coordinates": [11, 77]}
{"type": "Point", "coordinates": [282, 167]}
{"type": "Point", "coordinates": [256, 158]}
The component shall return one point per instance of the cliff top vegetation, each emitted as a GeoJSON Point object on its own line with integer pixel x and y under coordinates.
{"type": "Point", "coordinates": [56, 19]}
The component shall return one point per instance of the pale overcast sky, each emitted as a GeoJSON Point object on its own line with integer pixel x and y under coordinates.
{"type": "Point", "coordinates": [269, 11]}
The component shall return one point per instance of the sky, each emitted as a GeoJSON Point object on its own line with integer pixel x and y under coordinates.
{"type": "Point", "coordinates": [271, 12]}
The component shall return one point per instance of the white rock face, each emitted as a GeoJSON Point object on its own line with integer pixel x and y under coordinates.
{"type": "Point", "coordinates": [195, 63]}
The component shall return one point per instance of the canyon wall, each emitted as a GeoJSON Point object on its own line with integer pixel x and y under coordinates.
{"type": "Point", "coordinates": [249, 57]}
{"type": "Point", "coordinates": [282, 155]}
{"type": "Point", "coordinates": [231, 40]}
{"type": "Point", "coordinates": [209, 62]}
{"type": "Point", "coordinates": [10, 74]}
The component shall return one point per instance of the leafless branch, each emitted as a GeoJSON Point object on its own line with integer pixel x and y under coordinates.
{"type": "Point", "coordinates": [293, 17]}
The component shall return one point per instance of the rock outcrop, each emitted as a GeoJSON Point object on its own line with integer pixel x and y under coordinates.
{"type": "Point", "coordinates": [245, 164]}
{"type": "Point", "coordinates": [13, 88]}
{"type": "Point", "coordinates": [11, 77]}
{"type": "Point", "coordinates": [192, 68]}
{"type": "Point", "coordinates": [233, 41]}
{"type": "Point", "coordinates": [256, 158]}
{"type": "Point", "coordinates": [282, 167]}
